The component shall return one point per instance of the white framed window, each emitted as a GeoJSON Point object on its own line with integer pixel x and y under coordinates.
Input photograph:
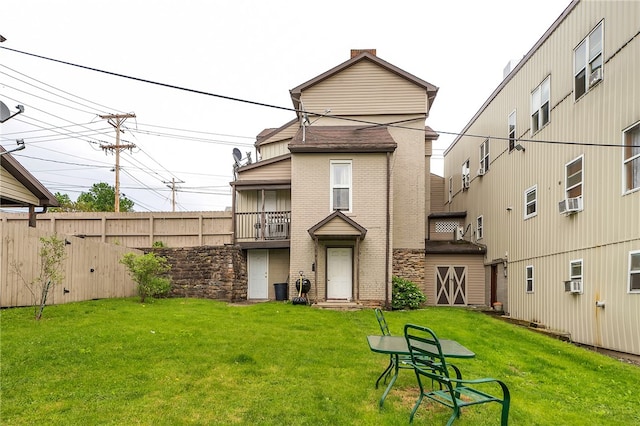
{"type": "Point", "coordinates": [511, 123]}
{"type": "Point", "coordinates": [341, 190]}
{"type": "Point", "coordinates": [479, 227]}
{"type": "Point", "coordinates": [529, 279]}
{"type": "Point", "coordinates": [634, 271]}
{"type": "Point", "coordinates": [575, 270]}
{"type": "Point", "coordinates": [540, 105]}
{"type": "Point", "coordinates": [574, 178]}
{"type": "Point", "coordinates": [450, 188]}
{"type": "Point", "coordinates": [587, 62]}
{"type": "Point", "coordinates": [531, 202]}
{"type": "Point", "coordinates": [484, 156]}
{"type": "Point", "coordinates": [465, 175]}
{"type": "Point", "coordinates": [631, 159]}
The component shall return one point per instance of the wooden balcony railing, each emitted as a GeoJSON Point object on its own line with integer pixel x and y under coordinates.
{"type": "Point", "coordinates": [259, 226]}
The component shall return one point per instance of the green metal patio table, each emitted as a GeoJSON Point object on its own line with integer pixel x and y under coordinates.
{"type": "Point", "coordinates": [397, 346]}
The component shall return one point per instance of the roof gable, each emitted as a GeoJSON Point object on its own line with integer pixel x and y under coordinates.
{"type": "Point", "coordinates": [26, 179]}
{"type": "Point", "coordinates": [364, 56]}
{"type": "Point", "coordinates": [337, 225]}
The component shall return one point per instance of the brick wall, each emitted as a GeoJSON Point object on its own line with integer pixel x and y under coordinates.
{"type": "Point", "coordinates": [207, 272]}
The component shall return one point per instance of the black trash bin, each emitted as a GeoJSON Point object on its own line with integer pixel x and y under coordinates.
{"type": "Point", "coordinates": [281, 291]}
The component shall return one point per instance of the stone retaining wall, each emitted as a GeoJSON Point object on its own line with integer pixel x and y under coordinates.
{"type": "Point", "coordinates": [208, 272]}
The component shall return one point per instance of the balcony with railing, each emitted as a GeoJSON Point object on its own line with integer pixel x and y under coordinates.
{"type": "Point", "coordinates": [263, 229]}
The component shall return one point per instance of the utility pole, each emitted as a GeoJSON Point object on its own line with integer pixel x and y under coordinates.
{"type": "Point", "coordinates": [173, 191]}
{"type": "Point", "coordinates": [116, 121]}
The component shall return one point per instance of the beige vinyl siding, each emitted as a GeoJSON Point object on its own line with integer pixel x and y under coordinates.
{"type": "Point", "coordinates": [274, 149]}
{"type": "Point", "coordinates": [280, 170]}
{"type": "Point", "coordinates": [608, 227]}
{"type": "Point", "coordinates": [14, 190]}
{"type": "Point", "coordinates": [438, 193]}
{"type": "Point", "coordinates": [365, 88]}
{"type": "Point", "coordinates": [250, 201]}
{"type": "Point", "coordinates": [278, 270]}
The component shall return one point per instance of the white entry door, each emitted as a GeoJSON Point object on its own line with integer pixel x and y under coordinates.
{"type": "Point", "coordinates": [339, 273]}
{"type": "Point", "coordinates": [257, 267]}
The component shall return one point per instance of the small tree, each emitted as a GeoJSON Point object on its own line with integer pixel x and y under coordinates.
{"type": "Point", "coordinates": [406, 295]}
{"type": "Point", "coordinates": [146, 270]}
{"type": "Point", "coordinates": [51, 257]}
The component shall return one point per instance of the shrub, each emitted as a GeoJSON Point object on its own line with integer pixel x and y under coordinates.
{"type": "Point", "coordinates": [406, 295]}
{"type": "Point", "coordinates": [146, 270]}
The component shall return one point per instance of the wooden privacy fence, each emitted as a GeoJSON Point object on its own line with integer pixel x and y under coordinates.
{"type": "Point", "coordinates": [138, 229]}
{"type": "Point", "coordinates": [92, 270]}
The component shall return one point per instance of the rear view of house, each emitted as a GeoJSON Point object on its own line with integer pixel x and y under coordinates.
{"type": "Point", "coordinates": [340, 191]}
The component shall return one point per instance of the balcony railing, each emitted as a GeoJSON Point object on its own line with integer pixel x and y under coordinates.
{"type": "Point", "coordinates": [259, 226]}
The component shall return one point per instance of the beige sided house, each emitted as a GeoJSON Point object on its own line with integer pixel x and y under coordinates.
{"type": "Point", "coordinates": [554, 191]}
{"type": "Point", "coordinates": [18, 188]}
{"type": "Point", "coordinates": [342, 191]}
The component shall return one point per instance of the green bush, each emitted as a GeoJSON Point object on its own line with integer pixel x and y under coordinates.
{"type": "Point", "coordinates": [406, 295]}
{"type": "Point", "coordinates": [146, 270]}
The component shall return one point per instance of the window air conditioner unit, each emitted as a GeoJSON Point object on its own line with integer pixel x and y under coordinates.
{"type": "Point", "coordinates": [459, 233]}
{"type": "Point", "coordinates": [465, 182]}
{"type": "Point", "coordinates": [595, 76]}
{"type": "Point", "coordinates": [570, 205]}
{"type": "Point", "coordinates": [481, 171]}
{"type": "Point", "coordinates": [574, 287]}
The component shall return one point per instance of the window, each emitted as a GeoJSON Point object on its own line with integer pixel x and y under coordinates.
{"type": "Point", "coordinates": [631, 158]}
{"type": "Point", "coordinates": [531, 202]}
{"type": "Point", "coordinates": [341, 185]}
{"type": "Point", "coordinates": [512, 130]}
{"type": "Point", "coordinates": [484, 156]}
{"type": "Point", "coordinates": [540, 105]}
{"type": "Point", "coordinates": [587, 62]}
{"type": "Point", "coordinates": [573, 178]}
{"type": "Point", "coordinates": [479, 228]}
{"type": "Point", "coordinates": [529, 279]}
{"type": "Point", "coordinates": [575, 270]}
{"type": "Point", "coordinates": [450, 189]}
{"type": "Point", "coordinates": [465, 175]}
{"type": "Point", "coordinates": [634, 272]}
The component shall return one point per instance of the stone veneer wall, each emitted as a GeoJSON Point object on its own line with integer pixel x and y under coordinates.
{"type": "Point", "coordinates": [410, 264]}
{"type": "Point", "coordinates": [209, 272]}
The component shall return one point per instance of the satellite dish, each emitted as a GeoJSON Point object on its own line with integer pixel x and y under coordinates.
{"type": "Point", "coordinates": [237, 155]}
{"type": "Point", "coordinates": [4, 112]}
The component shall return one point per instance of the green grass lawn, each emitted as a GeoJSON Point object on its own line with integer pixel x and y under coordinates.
{"type": "Point", "coordinates": [187, 361]}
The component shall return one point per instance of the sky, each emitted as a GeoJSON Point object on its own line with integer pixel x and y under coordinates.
{"type": "Point", "coordinates": [246, 50]}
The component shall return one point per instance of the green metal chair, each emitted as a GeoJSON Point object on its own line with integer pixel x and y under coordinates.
{"type": "Point", "coordinates": [403, 360]}
{"type": "Point", "coordinates": [454, 392]}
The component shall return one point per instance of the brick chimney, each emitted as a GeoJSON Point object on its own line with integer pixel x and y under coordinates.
{"type": "Point", "coordinates": [356, 52]}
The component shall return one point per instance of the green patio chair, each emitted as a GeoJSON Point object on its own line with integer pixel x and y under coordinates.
{"type": "Point", "coordinates": [428, 362]}
{"type": "Point", "coordinates": [403, 360]}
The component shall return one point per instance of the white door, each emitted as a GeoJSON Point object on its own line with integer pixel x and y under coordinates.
{"type": "Point", "coordinates": [339, 273]}
{"type": "Point", "coordinates": [257, 265]}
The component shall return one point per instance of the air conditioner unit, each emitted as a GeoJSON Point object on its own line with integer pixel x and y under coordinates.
{"type": "Point", "coordinates": [459, 233]}
{"type": "Point", "coordinates": [573, 286]}
{"type": "Point", "coordinates": [465, 182]}
{"type": "Point", "coordinates": [481, 171]}
{"type": "Point", "coordinates": [595, 76]}
{"type": "Point", "coordinates": [570, 205]}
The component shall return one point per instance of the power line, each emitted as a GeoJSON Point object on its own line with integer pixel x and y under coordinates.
{"type": "Point", "coordinates": [231, 98]}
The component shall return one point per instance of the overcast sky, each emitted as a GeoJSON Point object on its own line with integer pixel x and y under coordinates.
{"type": "Point", "coordinates": [250, 50]}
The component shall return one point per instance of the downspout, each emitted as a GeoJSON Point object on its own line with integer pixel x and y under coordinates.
{"type": "Point", "coordinates": [388, 239]}
{"type": "Point", "coordinates": [315, 260]}
{"type": "Point", "coordinates": [233, 216]}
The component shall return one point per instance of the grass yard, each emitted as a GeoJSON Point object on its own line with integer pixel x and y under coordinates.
{"type": "Point", "coordinates": [188, 361]}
